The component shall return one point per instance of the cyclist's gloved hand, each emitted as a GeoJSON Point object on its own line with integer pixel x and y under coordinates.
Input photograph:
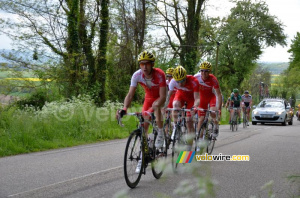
{"type": "Point", "coordinates": [120, 113]}
{"type": "Point", "coordinates": [193, 110]}
{"type": "Point", "coordinates": [123, 112]}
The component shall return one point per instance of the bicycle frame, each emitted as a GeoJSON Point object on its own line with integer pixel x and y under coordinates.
{"type": "Point", "coordinates": [178, 134]}
{"type": "Point", "coordinates": [181, 120]}
{"type": "Point", "coordinates": [144, 143]}
{"type": "Point", "coordinates": [142, 152]}
{"type": "Point", "coordinates": [204, 131]}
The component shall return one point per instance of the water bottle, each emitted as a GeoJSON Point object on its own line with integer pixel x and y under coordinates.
{"type": "Point", "coordinates": [173, 134]}
{"type": "Point", "coordinates": [210, 128]}
{"type": "Point", "coordinates": [150, 140]}
{"type": "Point", "coordinates": [183, 129]}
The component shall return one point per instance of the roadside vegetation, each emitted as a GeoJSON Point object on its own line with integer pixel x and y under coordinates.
{"type": "Point", "coordinates": [76, 58]}
{"type": "Point", "coordinates": [59, 124]}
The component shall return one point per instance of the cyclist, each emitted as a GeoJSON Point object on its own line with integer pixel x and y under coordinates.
{"type": "Point", "coordinates": [298, 112]}
{"type": "Point", "coordinates": [236, 101]}
{"type": "Point", "coordinates": [169, 77]}
{"type": "Point", "coordinates": [187, 92]}
{"type": "Point", "coordinates": [210, 94]}
{"type": "Point", "coordinates": [246, 103]}
{"type": "Point", "coordinates": [169, 73]}
{"type": "Point", "coordinates": [227, 106]}
{"type": "Point", "coordinates": [154, 83]}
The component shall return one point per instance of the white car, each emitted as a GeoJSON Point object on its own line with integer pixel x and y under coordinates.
{"type": "Point", "coordinates": [272, 111]}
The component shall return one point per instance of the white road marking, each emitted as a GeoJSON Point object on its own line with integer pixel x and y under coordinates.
{"type": "Point", "coordinates": [70, 180]}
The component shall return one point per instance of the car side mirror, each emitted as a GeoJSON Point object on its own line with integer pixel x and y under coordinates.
{"type": "Point", "coordinates": [254, 106]}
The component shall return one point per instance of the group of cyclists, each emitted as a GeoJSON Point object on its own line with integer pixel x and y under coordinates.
{"type": "Point", "coordinates": [235, 100]}
{"type": "Point", "coordinates": [176, 89]}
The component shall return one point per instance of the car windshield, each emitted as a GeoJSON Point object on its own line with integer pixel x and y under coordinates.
{"type": "Point", "coordinates": [265, 104]}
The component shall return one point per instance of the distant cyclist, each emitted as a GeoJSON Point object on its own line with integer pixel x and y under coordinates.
{"type": "Point", "coordinates": [247, 103]}
{"type": "Point", "coordinates": [210, 94]}
{"type": "Point", "coordinates": [235, 101]}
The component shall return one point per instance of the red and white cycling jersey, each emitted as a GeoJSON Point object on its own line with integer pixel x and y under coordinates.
{"type": "Point", "coordinates": [207, 93]}
{"type": "Point", "coordinates": [189, 88]}
{"type": "Point", "coordinates": [170, 105]}
{"type": "Point", "coordinates": [152, 86]}
{"type": "Point", "coordinates": [206, 86]}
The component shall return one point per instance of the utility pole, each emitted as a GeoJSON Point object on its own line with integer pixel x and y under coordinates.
{"type": "Point", "coordinates": [217, 56]}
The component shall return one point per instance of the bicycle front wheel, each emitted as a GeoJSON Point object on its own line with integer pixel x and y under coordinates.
{"type": "Point", "coordinates": [232, 125]}
{"type": "Point", "coordinates": [159, 155]}
{"type": "Point", "coordinates": [133, 155]}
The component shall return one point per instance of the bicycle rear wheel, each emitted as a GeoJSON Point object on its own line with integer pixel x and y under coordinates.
{"type": "Point", "coordinates": [133, 153]}
{"type": "Point", "coordinates": [159, 154]}
{"type": "Point", "coordinates": [168, 130]}
{"type": "Point", "coordinates": [210, 139]}
{"type": "Point", "coordinates": [244, 120]}
{"type": "Point", "coordinates": [176, 148]}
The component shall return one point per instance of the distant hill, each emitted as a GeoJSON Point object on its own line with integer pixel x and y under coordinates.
{"type": "Point", "coordinates": [274, 67]}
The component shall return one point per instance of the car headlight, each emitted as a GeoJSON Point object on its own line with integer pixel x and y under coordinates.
{"type": "Point", "coordinates": [255, 112]}
{"type": "Point", "coordinates": [279, 112]}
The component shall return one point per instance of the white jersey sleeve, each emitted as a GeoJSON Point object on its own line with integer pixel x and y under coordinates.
{"type": "Point", "coordinates": [136, 77]}
{"type": "Point", "coordinates": [172, 85]}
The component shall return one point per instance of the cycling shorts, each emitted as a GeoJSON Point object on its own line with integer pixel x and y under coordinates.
{"type": "Point", "coordinates": [170, 105]}
{"type": "Point", "coordinates": [247, 104]}
{"type": "Point", "coordinates": [182, 99]}
{"type": "Point", "coordinates": [235, 106]}
{"type": "Point", "coordinates": [204, 101]}
{"type": "Point", "coordinates": [147, 105]}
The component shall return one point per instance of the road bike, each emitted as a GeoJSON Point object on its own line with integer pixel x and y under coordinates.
{"type": "Point", "coordinates": [137, 149]}
{"type": "Point", "coordinates": [179, 137]}
{"type": "Point", "coordinates": [204, 134]}
{"type": "Point", "coordinates": [234, 120]}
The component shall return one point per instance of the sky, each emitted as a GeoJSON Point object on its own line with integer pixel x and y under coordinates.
{"type": "Point", "coordinates": [286, 11]}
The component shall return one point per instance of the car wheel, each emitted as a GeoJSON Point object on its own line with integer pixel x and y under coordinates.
{"type": "Point", "coordinates": [291, 122]}
{"type": "Point", "coordinates": [284, 122]}
{"type": "Point", "coordinates": [254, 123]}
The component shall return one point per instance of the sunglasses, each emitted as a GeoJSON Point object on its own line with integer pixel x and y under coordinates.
{"type": "Point", "coordinates": [181, 81]}
{"type": "Point", "coordinates": [204, 70]}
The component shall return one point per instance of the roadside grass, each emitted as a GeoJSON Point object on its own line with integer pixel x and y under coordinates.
{"type": "Point", "coordinates": [64, 124]}
{"type": "Point", "coordinates": [60, 124]}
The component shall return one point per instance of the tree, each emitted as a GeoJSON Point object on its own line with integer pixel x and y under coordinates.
{"type": "Point", "coordinates": [67, 28]}
{"type": "Point", "coordinates": [127, 39]}
{"type": "Point", "coordinates": [185, 20]}
{"type": "Point", "coordinates": [295, 52]}
{"type": "Point", "coordinates": [253, 83]}
{"type": "Point", "coordinates": [288, 83]}
{"type": "Point", "coordinates": [244, 33]}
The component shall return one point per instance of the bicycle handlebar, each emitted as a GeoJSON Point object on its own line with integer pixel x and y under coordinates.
{"type": "Point", "coordinates": [119, 119]}
{"type": "Point", "coordinates": [176, 109]}
{"type": "Point", "coordinates": [212, 111]}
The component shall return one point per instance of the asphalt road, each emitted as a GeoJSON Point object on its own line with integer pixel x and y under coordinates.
{"type": "Point", "coordinates": [97, 171]}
